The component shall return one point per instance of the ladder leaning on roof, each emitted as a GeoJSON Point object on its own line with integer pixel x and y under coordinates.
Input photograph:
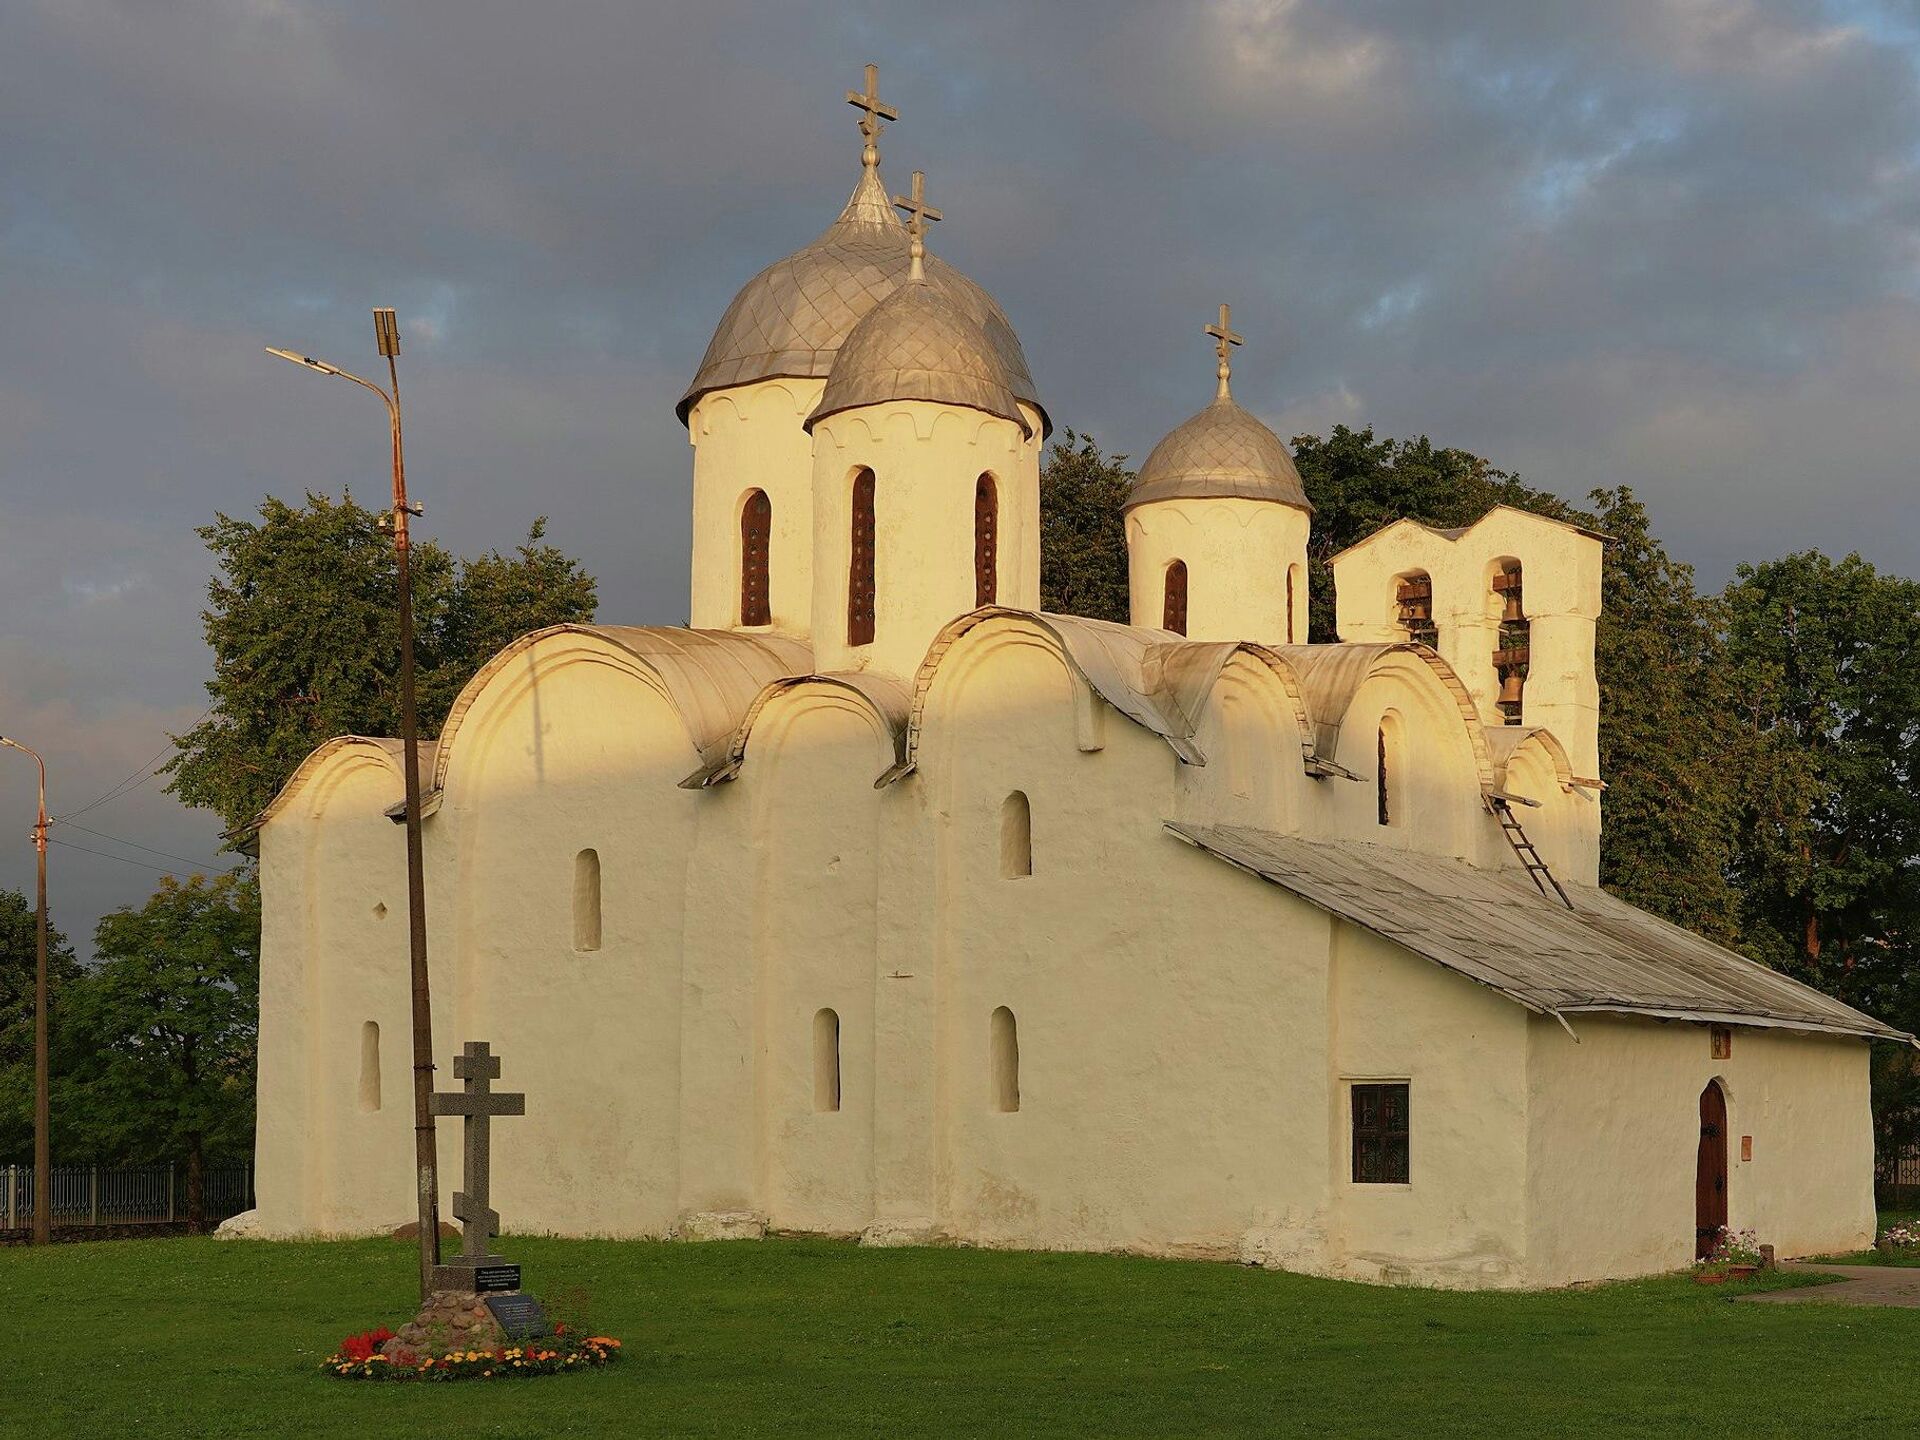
{"type": "Point", "coordinates": [1501, 808]}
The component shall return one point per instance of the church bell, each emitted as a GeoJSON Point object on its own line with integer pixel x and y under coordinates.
{"type": "Point", "coordinates": [1511, 686]}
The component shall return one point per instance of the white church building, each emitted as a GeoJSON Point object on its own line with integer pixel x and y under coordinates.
{"type": "Point", "coordinates": [879, 903]}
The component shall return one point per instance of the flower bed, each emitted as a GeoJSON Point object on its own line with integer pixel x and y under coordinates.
{"type": "Point", "coordinates": [1735, 1253]}
{"type": "Point", "coordinates": [359, 1358]}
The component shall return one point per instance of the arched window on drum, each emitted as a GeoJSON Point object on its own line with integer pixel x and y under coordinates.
{"type": "Point", "coordinates": [756, 543]}
{"type": "Point", "coordinates": [986, 541]}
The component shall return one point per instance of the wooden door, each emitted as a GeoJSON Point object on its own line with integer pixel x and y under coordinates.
{"type": "Point", "coordinates": [1710, 1174]}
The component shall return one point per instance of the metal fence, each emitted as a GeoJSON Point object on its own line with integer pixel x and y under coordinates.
{"type": "Point", "coordinates": [1901, 1168]}
{"type": "Point", "coordinates": [123, 1194]}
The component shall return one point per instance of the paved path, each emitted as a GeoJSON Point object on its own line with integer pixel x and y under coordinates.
{"type": "Point", "coordinates": [1863, 1285]}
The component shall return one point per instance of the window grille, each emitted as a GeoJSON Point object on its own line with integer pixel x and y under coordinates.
{"type": "Point", "coordinates": [1175, 616]}
{"type": "Point", "coordinates": [986, 542]}
{"type": "Point", "coordinates": [860, 581]}
{"type": "Point", "coordinates": [756, 539]}
{"type": "Point", "coordinates": [1380, 1134]}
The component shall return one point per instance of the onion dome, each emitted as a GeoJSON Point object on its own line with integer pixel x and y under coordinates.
{"type": "Point", "coordinates": [919, 344]}
{"type": "Point", "coordinates": [792, 318]}
{"type": "Point", "coordinates": [1222, 453]}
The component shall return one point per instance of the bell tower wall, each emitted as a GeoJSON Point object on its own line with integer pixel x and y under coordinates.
{"type": "Point", "coordinates": [1511, 603]}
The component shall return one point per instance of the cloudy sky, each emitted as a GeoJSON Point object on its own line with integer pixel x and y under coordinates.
{"type": "Point", "coordinates": [1671, 243]}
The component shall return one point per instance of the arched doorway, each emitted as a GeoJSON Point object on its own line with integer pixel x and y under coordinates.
{"type": "Point", "coordinates": [1710, 1173]}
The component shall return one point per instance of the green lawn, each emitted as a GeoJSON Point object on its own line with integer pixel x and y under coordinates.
{"type": "Point", "coordinates": [197, 1337]}
{"type": "Point", "coordinates": [1904, 1259]}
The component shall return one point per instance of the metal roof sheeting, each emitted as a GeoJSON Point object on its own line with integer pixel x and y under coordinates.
{"type": "Point", "coordinates": [710, 677]}
{"type": "Point", "coordinates": [1602, 955]}
{"type": "Point", "coordinates": [917, 344]}
{"type": "Point", "coordinates": [792, 317]}
{"type": "Point", "coordinates": [1224, 453]}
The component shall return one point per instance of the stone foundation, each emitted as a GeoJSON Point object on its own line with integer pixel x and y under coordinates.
{"type": "Point", "coordinates": [721, 1225]}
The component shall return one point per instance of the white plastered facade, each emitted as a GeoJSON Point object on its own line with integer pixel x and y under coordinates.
{"type": "Point", "coordinates": [789, 824]}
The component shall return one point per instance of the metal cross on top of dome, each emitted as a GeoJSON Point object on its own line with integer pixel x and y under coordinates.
{"type": "Point", "coordinates": [1223, 332]}
{"type": "Point", "coordinates": [918, 213]}
{"type": "Point", "coordinates": [877, 112]}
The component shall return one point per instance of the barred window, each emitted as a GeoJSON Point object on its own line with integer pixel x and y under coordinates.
{"type": "Point", "coordinates": [756, 539]}
{"type": "Point", "coordinates": [986, 542]}
{"type": "Point", "coordinates": [1174, 617]}
{"type": "Point", "coordinates": [1380, 1134]}
{"type": "Point", "coordinates": [860, 578]}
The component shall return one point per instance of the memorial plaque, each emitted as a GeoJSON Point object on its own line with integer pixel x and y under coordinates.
{"type": "Point", "coordinates": [519, 1315]}
{"type": "Point", "coordinates": [495, 1277]}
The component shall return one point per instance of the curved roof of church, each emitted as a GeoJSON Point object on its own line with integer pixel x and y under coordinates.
{"type": "Point", "coordinates": [918, 344]}
{"type": "Point", "coordinates": [792, 318]}
{"type": "Point", "coordinates": [1221, 453]}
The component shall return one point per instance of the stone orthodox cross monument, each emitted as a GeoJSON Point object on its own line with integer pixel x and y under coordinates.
{"type": "Point", "coordinates": [477, 1103]}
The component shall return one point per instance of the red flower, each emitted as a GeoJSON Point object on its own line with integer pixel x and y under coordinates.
{"type": "Point", "coordinates": [362, 1347]}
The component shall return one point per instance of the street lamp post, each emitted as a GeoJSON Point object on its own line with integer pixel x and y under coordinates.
{"type": "Point", "coordinates": [426, 1157]}
{"type": "Point", "coordinates": [42, 1145]}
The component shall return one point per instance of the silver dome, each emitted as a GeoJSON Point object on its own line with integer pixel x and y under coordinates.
{"type": "Point", "coordinates": [793, 317]}
{"type": "Point", "coordinates": [918, 344]}
{"type": "Point", "coordinates": [1221, 453]}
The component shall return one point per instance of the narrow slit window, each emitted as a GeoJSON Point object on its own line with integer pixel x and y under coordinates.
{"type": "Point", "coordinates": [370, 1066]}
{"type": "Point", "coordinates": [1174, 613]}
{"type": "Point", "coordinates": [1382, 775]}
{"type": "Point", "coordinates": [826, 1060]}
{"type": "Point", "coordinates": [756, 542]}
{"type": "Point", "coordinates": [1380, 1135]}
{"type": "Point", "coordinates": [986, 542]}
{"type": "Point", "coordinates": [586, 900]}
{"type": "Point", "coordinates": [1292, 573]}
{"type": "Point", "coordinates": [1005, 1060]}
{"type": "Point", "coordinates": [860, 567]}
{"type": "Point", "coordinates": [1016, 836]}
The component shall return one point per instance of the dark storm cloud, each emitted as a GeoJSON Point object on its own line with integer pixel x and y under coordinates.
{"type": "Point", "coordinates": [1669, 243]}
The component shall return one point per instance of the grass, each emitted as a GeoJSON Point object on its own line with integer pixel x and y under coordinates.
{"type": "Point", "coordinates": [1898, 1259]}
{"type": "Point", "coordinates": [197, 1337]}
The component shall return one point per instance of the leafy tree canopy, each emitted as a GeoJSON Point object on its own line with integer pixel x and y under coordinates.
{"type": "Point", "coordinates": [17, 967]}
{"type": "Point", "coordinates": [303, 624]}
{"type": "Point", "coordinates": [1824, 662]}
{"type": "Point", "coordinates": [1083, 536]}
{"type": "Point", "coordinates": [168, 1022]}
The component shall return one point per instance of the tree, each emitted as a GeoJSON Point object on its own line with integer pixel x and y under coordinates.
{"type": "Point", "coordinates": [1358, 484]}
{"type": "Point", "coordinates": [1825, 662]}
{"type": "Point", "coordinates": [303, 624]}
{"type": "Point", "coordinates": [1669, 748]}
{"type": "Point", "coordinates": [18, 963]}
{"type": "Point", "coordinates": [1083, 534]}
{"type": "Point", "coordinates": [170, 1021]}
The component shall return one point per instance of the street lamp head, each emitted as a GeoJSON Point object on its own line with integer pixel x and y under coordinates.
{"type": "Point", "coordinates": [386, 332]}
{"type": "Point", "coordinates": [306, 360]}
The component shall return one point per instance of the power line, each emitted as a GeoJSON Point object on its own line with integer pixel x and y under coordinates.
{"type": "Point", "coordinates": [136, 845]}
{"type": "Point", "coordinates": [134, 781]}
{"type": "Point", "coordinates": [141, 864]}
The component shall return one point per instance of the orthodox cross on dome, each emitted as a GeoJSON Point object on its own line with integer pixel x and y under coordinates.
{"type": "Point", "coordinates": [877, 112]}
{"type": "Point", "coordinates": [478, 1103]}
{"type": "Point", "coordinates": [1223, 332]}
{"type": "Point", "coordinates": [919, 212]}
